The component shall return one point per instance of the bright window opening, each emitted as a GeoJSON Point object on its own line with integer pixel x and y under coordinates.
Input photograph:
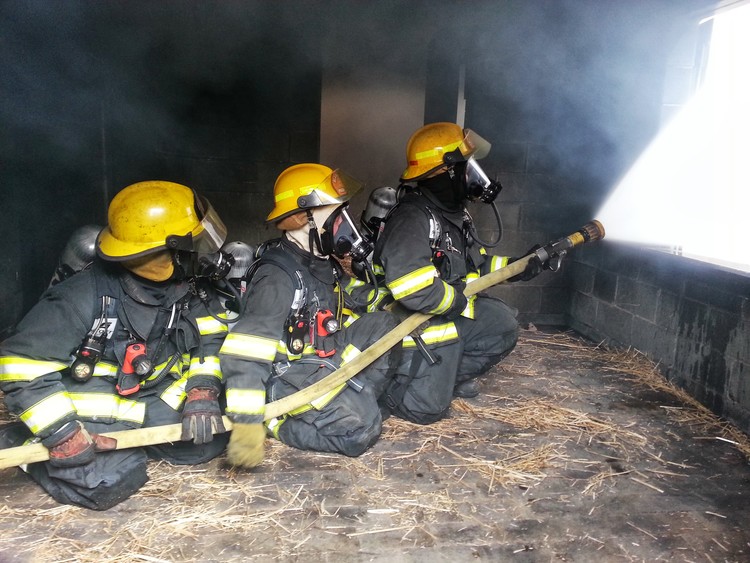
{"type": "Point", "coordinates": [689, 192]}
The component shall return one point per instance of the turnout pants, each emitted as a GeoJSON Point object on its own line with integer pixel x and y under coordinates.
{"type": "Point", "coordinates": [114, 476]}
{"type": "Point", "coordinates": [347, 421]}
{"type": "Point", "coordinates": [422, 392]}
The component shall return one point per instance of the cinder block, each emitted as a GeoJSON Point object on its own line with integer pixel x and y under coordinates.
{"type": "Point", "coordinates": [638, 298]}
{"type": "Point", "coordinates": [605, 286]}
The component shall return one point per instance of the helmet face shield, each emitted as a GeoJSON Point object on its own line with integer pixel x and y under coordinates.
{"type": "Point", "coordinates": [336, 188]}
{"type": "Point", "coordinates": [211, 232]}
{"type": "Point", "coordinates": [341, 237]}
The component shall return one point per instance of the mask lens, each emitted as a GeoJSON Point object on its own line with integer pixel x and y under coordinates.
{"type": "Point", "coordinates": [478, 184]}
{"type": "Point", "coordinates": [341, 237]}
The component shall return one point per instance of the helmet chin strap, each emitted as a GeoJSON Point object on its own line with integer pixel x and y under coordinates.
{"type": "Point", "coordinates": [314, 246]}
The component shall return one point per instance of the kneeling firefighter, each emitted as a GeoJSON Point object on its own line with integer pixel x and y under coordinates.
{"type": "Point", "coordinates": [298, 326]}
{"type": "Point", "coordinates": [426, 251]}
{"type": "Point", "coordinates": [130, 341]}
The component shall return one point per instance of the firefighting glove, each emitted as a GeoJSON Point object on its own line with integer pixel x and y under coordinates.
{"type": "Point", "coordinates": [533, 268]}
{"type": "Point", "coordinates": [201, 416]}
{"type": "Point", "coordinates": [72, 445]}
{"type": "Point", "coordinates": [247, 445]}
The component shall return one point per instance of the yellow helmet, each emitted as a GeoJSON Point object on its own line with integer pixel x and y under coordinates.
{"type": "Point", "coordinates": [434, 146]}
{"type": "Point", "coordinates": [309, 185]}
{"type": "Point", "coordinates": [148, 217]}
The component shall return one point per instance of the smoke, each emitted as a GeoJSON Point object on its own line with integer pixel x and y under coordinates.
{"type": "Point", "coordinates": [582, 78]}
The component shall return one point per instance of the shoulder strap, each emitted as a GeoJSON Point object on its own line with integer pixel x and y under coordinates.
{"type": "Point", "coordinates": [274, 254]}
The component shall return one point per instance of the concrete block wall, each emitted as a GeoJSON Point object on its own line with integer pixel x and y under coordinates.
{"type": "Point", "coordinates": [690, 317]}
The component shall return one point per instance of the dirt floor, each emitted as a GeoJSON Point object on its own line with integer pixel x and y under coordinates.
{"type": "Point", "coordinates": [571, 453]}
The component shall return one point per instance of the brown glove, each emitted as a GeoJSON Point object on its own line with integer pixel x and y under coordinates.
{"type": "Point", "coordinates": [246, 445]}
{"type": "Point", "coordinates": [75, 446]}
{"type": "Point", "coordinates": [201, 416]}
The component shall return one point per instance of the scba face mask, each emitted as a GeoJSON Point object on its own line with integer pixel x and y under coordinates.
{"type": "Point", "coordinates": [477, 185]}
{"type": "Point", "coordinates": [341, 237]}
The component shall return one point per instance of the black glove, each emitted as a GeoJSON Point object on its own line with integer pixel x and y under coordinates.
{"type": "Point", "coordinates": [201, 416]}
{"type": "Point", "coordinates": [533, 268]}
{"type": "Point", "coordinates": [72, 445]}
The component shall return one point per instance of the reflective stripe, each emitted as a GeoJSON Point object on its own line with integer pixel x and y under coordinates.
{"type": "Point", "coordinates": [274, 424]}
{"type": "Point", "coordinates": [498, 262]}
{"type": "Point", "coordinates": [174, 395]}
{"type": "Point", "coordinates": [320, 402]}
{"type": "Point", "coordinates": [449, 296]}
{"type": "Point", "coordinates": [349, 353]}
{"type": "Point", "coordinates": [247, 346]}
{"type": "Point", "coordinates": [412, 282]}
{"type": "Point", "coordinates": [353, 282]}
{"type": "Point", "coordinates": [210, 366]}
{"type": "Point", "coordinates": [378, 269]}
{"type": "Point", "coordinates": [470, 311]}
{"type": "Point", "coordinates": [246, 401]}
{"type": "Point", "coordinates": [430, 154]}
{"type": "Point", "coordinates": [48, 411]}
{"type": "Point", "coordinates": [107, 406]}
{"type": "Point", "coordinates": [435, 334]}
{"type": "Point", "coordinates": [103, 369]}
{"type": "Point", "coordinates": [15, 368]}
{"type": "Point", "coordinates": [178, 368]}
{"type": "Point", "coordinates": [210, 325]}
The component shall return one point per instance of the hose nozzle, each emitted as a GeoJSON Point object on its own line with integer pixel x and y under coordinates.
{"type": "Point", "coordinates": [592, 231]}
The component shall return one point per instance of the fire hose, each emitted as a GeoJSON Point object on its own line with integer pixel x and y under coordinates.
{"type": "Point", "coordinates": [554, 251]}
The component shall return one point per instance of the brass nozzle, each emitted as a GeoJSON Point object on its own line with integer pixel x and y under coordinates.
{"type": "Point", "coordinates": [592, 231]}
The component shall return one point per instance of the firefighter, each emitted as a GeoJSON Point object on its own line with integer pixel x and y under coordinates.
{"type": "Point", "coordinates": [130, 341]}
{"type": "Point", "coordinates": [298, 325]}
{"type": "Point", "coordinates": [427, 251]}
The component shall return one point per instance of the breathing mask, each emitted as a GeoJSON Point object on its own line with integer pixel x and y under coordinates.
{"type": "Point", "coordinates": [341, 237]}
{"type": "Point", "coordinates": [477, 185]}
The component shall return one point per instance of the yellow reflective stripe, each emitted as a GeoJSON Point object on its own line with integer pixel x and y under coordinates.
{"type": "Point", "coordinates": [105, 405]}
{"type": "Point", "coordinates": [471, 276]}
{"type": "Point", "coordinates": [498, 262]}
{"type": "Point", "coordinates": [178, 367]}
{"type": "Point", "coordinates": [103, 369]}
{"type": "Point", "coordinates": [349, 353]}
{"type": "Point", "coordinates": [246, 401]}
{"type": "Point", "coordinates": [434, 152]}
{"type": "Point", "coordinates": [247, 346]}
{"type": "Point", "coordinates": [320, 402]}
{"type": "Point", "coordinates": [210, 366]}
{"type": "Point", "coordinates": [470, 309]}
{"type": "Point", "coordinates": [210, 325]}
{"type": "Point", "coordinates": [435, 334]}
{"type": "Point", "coordinates": [14, 368]}
{"type": "Point", "coordinates": [412, 282]}
{"type": "Point", "coordinates": [350, 319]}
{"type": "Point", "coordinates": [48, 411]}
{"type": "Point", "coordinates": [174, 395]}
{"type": "Point", "coordinates": [274, 424]}
{"type": "Point", "coordinates": [449, 296]}
{"type": "Point", "coordinates": [353, 282]}
{"type": "Point", "coordinates": [378, 269]}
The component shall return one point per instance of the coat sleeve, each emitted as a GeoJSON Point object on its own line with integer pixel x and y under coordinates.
{"type": "Point", "coordinates": [404, 253]}
{"type": "Point", "coordinates": [253, 343]}
{"type": "Point", "coordinates": [205, 367]}
{"type": "Point", "coordinates": [34, 359]}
